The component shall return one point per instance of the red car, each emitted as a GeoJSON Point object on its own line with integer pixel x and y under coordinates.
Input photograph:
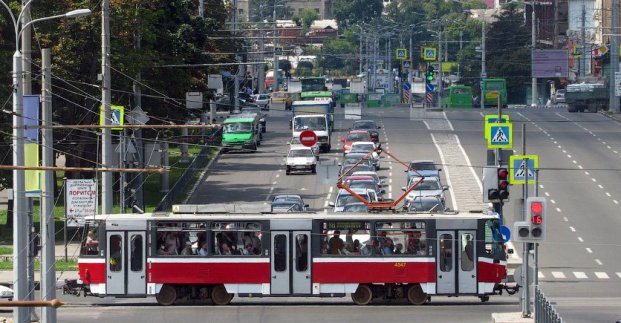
{"type": "Point", "coordinates": [352, 136]}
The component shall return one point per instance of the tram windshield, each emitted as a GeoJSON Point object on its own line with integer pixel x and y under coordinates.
{"type": "Point", "coordinates": [90, 239]}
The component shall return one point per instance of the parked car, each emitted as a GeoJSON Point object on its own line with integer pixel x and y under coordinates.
{"type": "Point", "coordinates": [430, 186]}
{"type": "Point", "coordinates": [559, 96]}
{"type": "Point", "coordinates": [365, 147]}
{"type": "Point", "coordinates": [301, 159]}
{"type": "Point", "coordinates": [288, 203]}
{"type": "Point", "coordinates": [422, 168]}
{"type": "Point", "coordinates": [368, 125]}
{"type": "Point", "coordinates": [262, 100]}
{"type": "Point", "coordinates": [344, 197]}
{"type": "Point", "coordinates": [353, 136]}
{"type": "Point", "coordinates": [6, 293]}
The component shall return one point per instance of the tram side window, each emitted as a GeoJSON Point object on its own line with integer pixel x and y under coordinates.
{"type": "Point", "coordinates": [493, 246]}
{"type": "Point", "coordinates": [180, 238]}
{"type": "Point", "coordinates": [236, 238]}
{"type": "Point", "coordinates": [349, 238]}
{"type": "Point", "coordinates": [90, 244]}
{"type": "Point", "coordinates": [402, 238]}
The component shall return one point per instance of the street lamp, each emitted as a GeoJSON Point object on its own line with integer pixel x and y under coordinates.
{"type": "Point", "coordinates": [20, 226]}
{"type": "Point", "coordinates": [275, 88]}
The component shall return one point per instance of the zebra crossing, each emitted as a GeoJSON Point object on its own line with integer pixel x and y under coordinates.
{"type": "Point", "coordinates": [578, 275]}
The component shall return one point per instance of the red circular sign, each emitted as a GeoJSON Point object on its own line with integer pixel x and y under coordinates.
{"type": "Point", "coordinates": [308, 138]}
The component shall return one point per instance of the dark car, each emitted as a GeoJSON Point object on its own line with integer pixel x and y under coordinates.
{"type": "Point", "coordinates": [423, 168]}
{"type": "Point", "coordinates": [368, 125]}
{"type": "Point", "coordinates": [246, 97]}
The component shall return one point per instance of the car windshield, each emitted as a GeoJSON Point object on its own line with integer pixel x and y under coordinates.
{"type": "Point", "coordinates": [290, 198]}
{"type": "Point", "coordinates": [314, 123]}
{"type": "Point", "coordinates": [357, 137]}
{"type": "Point", "coordinates": [290, 206]}
{"type": "Point", "coordinates": [354, 160]}
{"type": "Point", "coordinates": [301, 153]}
{"type": "Point", "coordinates": [356, 208]}
{"type": "Point", "coordinates": [363, 147]}
{"type": "Point", "coordinates": [360, 168]}
{"type": "Point", "coordinates": [364, 125]}
{"type": "Point", "coordinates": [425, 205]}
{"type": "Point", "coordinates": [238, 127]}
{"type": "Point", "coordinates": [363, 184]}
{"type": "Point", "coordinates": [345, 199]}
{"type": "Point", "coordinates": [427, 185]}
{"type": "Point", "coordinates": [250, 110]}
{"type": "Point", "coordinates": [422, 166]}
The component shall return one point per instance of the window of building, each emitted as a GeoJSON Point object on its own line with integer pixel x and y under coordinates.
{"type": "Point", "coordinates": [236, 238]}
{"type": "Point", "coordinates": [349, 238]}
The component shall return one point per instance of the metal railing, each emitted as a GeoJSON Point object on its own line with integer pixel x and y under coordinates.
{"type": "Point", "coordinates": [185, 178]}
{"type": "Point", "coordinates": [544, 310]}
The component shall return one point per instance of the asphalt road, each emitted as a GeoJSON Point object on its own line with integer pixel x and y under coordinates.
{"type": "Point", "coordinates": [580, 267]}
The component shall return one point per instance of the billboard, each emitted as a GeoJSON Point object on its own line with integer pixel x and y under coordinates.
{"type": "Point", "coordinates": [550, 63]}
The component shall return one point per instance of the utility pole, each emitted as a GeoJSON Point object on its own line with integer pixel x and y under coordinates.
{"type": "Point", "coordinates": [360, 56]}
{"type": "Point", "coordinates": [106, 142]}
{"type": "Point", "coordinates": [48, 261]}
{"type": "Point", "coordinates": [389, 59]}
{"type": "Point", "coordinates": [525, 297]}
{"type": "Point", "coordinates": [483, 72]}
{"type": "Point", "coordinates": [440, 84]}
{"type": "Point", "coordinates": [237, 58]}
{"type": "Point", "coordinates": [275, 74]}
{"type": "Point", "coordinates": [534, 99]}
{"type": "Point", "coordinates": [201, 8]}
{"type": "Point", "coordinates": [583, 36]}
{"type": "Point", "coordinates": [138, 179]}
{"type": "Point", "coordinates": [261, 68]}
{"type": "Point", "coordinates": [614, 57]}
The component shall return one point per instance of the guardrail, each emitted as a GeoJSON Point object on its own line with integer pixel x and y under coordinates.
{"type": "Point", "coordinates": [544, 310]}
{"type": "Point", "coordinates": [179, 186]}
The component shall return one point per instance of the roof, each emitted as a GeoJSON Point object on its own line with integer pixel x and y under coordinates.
{"type": "Point", "coordinates": [239, 118]}
{"type": "Point", "coordinates": [324, 24]}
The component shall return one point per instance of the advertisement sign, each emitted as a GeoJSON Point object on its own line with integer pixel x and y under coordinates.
{"type": "Point", "coordinates": [80, 200]}
{"type": "Point", "coordinates": [550, 63]}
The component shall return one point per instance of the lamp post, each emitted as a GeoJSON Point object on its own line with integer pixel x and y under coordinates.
{"type": "Point", "coordinates": [20, 223]}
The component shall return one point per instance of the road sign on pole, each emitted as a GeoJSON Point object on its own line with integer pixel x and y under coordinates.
{"type": "Point", "coordinates": [117, 117]}
{"type": "Point", "coordinates": [519, 173]}
{"type": "Point", "coordinates": [278, 51]}
{"type": "Point", "coordinates": [308, 138]}
{"type": "Point", "coordinates": [401, 53]}
{"type": "Point", "coordinates": [80, 200]}
{"type": "Point", "coordinates": [493, 118]}
{"type": "Point", "coordinates": [499, 135]}
{"type": "Point", "coordinates": [429, 53]}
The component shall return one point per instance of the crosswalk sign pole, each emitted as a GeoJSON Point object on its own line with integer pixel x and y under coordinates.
{"type": "Point", "coordinates": [525, 297]}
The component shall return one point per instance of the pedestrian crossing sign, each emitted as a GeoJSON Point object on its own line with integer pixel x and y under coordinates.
{"type": "Point", "coordinates": [401, 53]}
{"type": "Point", "coordinates": [519, 172]}
{"type": "Point", "coordinates": [499, 135]}
{"type": "Point", "coordinates": [493, 118]}
{"type": "Point", "coordinates": [117, 117]}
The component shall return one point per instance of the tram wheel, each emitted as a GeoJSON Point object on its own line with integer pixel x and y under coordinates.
{"type": "Point", "coordinates": [484, 298]}
{"type": "Point", "coordinates": [167, 295]}
{"type": "Point", "coordinates": [219, 295]}
{"type": "Point", "coordinates": [416, 296]}
{"type": "Point", "coordinates": [363, 295]}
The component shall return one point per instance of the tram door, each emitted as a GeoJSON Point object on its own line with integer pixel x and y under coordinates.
{"type": "Point", "coordinates": [290, 263]}
{"type": "Point", "coordinates": [456, 262]}
{"type": "Point", "coordinates": [125, 257]}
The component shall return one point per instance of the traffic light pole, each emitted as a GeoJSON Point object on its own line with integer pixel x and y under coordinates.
{"type": "Point", "coordinates": [525, 298]}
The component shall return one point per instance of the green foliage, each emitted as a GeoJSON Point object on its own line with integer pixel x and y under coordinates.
{"type": "Point", "coordinates": [337, 54]}
{"type": "Point", "coordinates": [351, 12]}
{"type": "Point", "coordinates": [305, 18]}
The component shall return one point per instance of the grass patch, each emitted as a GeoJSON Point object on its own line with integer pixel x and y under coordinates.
{"type": "Point", "coordinates": [6, 250]}
{"type": "Point", "coordinates": [61, 265]}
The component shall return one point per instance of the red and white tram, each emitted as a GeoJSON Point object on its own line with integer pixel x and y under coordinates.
{"type": "Point", "coordinates": [193, 257]}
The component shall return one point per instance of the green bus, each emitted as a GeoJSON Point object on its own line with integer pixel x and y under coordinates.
{"type": "Point", "coordinates": [310, 84]}
{"type": "Point", "coordinates": [492, 89]}
{"type": "Point", "coordinates": [241, 130]}
{"type": "Point", "coordinates": [457, 96]}
{"type": "Point", "coordinates": [345, 96]}
{"type": "Point", "coordinates": [317, 96]}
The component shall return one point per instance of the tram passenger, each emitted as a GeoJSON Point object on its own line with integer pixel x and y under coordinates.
{"type": "Point", "coordinates": [203, 250]}
{"type": "Point", "coordinates": [251, 238]}
{"type": "Point", "coordinates": [172, 243]}
{"type": "Point", "coordinates": [91, 245]}
{"type": "Point", "coordinates": [248, 250]}
{"type": "Point", "coordinates": [398, 249]}
{"type": "Point", "coordinates": [226, 250]}
{"type": "Point", "coordinates": [336, 244]}
{"type": "Point", "coordinates": [187, 250]}
{"type": "Point", "coordinates": [384, 240]}
{"type": "Point", "coordinates": [387, 247]}
{"type": "Point", "coordinates": [354, 249]}
{"type": "Point", "coordinates": [371, 248]}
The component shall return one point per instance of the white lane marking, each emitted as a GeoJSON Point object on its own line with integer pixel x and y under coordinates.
{"type": "Point", "coordinates": [277, 175]}
{"type": "Point", "coordinates": [329, 196]}
{"type": "Point", "coordinates": [580, 275]}
{"type": "Point", "coordinates": [390, 167]}
{"type": "Point", "coordinates": [546, 194]}
{"type": "Point", "coordinates": [325, 211]}
{"type": "Point", "coordinates": [390, 181]}
{"type": "Point", "coordinates": [540, 186]}
{"type": "Point", "coordinates": [390, 188]}
{"type": "Point", "coordinates": [389, 195]}
{"type": "Point", "coordinates": [564, 151]}
{"type": "Point", "coordinates": [573, 161]}
{"type": "Point", "coordinates": [601, 275]}
{"type": "Point", "coordinates": [580, 239]}
{"type": "Point", "coordinates": [553, 201]}
{"type": "Point", "coordinates": [615, 201]}
{"type": "Point", "coordinates": [325, 204]}
{"type": "Point", "coordinates": [593, 179]}
{"type": "Point", "coordinates": [558, 274]}
{"type": "Point", "coordinates": [589, 250]}
{"type": "Point", "coordinates": [540, 275]}
{"type": "Point", "coordinates": [482, 115]}
{"type": "Point", "coordinates": [426, 125]}
{"type": "Point", "coordinates": [580, 166]}
{"type": "Point", "coordinates": [449, 121]}
{"type": "Point", "coordinates": [390, 174]}
{"type": "Point", "coordinates": [607, 194]}
{"type": "Point", "coordinates": [598, 262]}
{"type": "Point", "coordinates": [331, 189]}
{"type": "Point", "coordinates": [614, 151]}
{"type": "Point", "coordinates": [565, 219]}
{"type": "Point", "coordinates": [608, 147]}
{"type": "Point", "coordinates": [618, 274]}
{"type": "Point", "coordinates": [274, 183]}
{"type": "Point", "coordinates": [586, 173]}
{"type": "Point", "coordinates": [572, 229]}
{"type": "Point", "coordinates": [558, 210]}
{"type": "Point", "coordinates": [448, 176]}
{"type": "Point", "coordinates": [600, 186]}
{"type": "Point", "coordinates": [568, 156]}
{"type": "Point", "coordinates": [470, 164]}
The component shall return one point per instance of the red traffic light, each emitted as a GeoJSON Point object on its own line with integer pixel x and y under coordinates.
{"type": "Point", "coordinates": [536, 219]}
{"type": "Point", "coordinates": [536, 207]}
{"type": "Point", "coordinates": [502, 173]}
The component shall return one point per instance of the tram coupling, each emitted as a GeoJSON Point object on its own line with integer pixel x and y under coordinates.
{"type": "Point", "coordinates": [510, 289]}
{"type": "Point", "coordinates": [72, 287]}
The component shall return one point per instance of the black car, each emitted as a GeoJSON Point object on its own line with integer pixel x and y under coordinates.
{"type": "Point", "coordinates": [368, 125]}
{"type": "Point", "coordinates": [246, 97]}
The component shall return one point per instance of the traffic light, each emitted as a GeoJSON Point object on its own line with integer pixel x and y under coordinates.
{"type": "Point", "coordinates": [430, 74]}
{"type": "Point", "coordinates": [490, 184]}
{"type": "Point", "coordinates": [534, 229]}
{"type": "Point", "coordinates": [503, 183]}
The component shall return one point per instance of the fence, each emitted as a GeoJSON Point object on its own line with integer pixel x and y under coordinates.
{"type": "Point", "coordinates": [182, 182]}
{"type": "Point", "coordinates": [544, 310]}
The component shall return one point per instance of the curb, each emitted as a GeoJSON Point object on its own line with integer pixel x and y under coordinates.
{"type": "Point", "coordinates": [202, 176]}
{"type": "Point", "coordinates": [616, 116]}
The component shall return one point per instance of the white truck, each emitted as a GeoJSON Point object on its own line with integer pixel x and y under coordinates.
{"type": "Point", "coordinates": [315, 116]}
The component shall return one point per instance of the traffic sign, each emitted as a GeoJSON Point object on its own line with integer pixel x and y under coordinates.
{"type": "Point", "coordinates": [80, 200]}
{"type": "Point", "coordinates": [499, 135]}
{"type": "Point", "coordinates": [429, 53]}
{"type": "Point", "coordinates": [506, 233]}
{"type": "Point", "coordinates": [117, 117]}
{"type": "Point", "coordinates": [429, 87]}
{"type": "Point", "coordinates": [401, 53]}
{"type": "Point", "coordinates": [493, 118]}
{"type": "Point", "coordinates": [308, 138]}
{"type": "Point", "coordinates": [278, 51]}
{"type": "Point", "coordinates": [407, 64]}
{"type": "Point", "coordinates": [519, 173]}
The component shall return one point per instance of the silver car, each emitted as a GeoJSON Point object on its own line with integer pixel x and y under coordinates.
{"type": "Point", "coordinates": [430, 186]}
{"type": "Point", "coordinates": [262, 100]}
